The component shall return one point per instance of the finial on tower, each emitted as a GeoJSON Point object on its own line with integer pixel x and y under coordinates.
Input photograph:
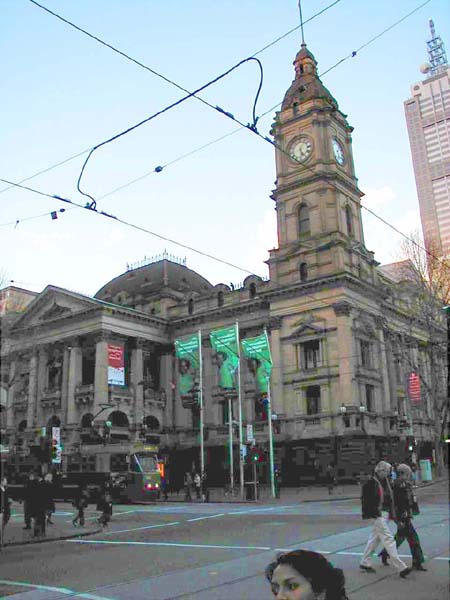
{"type": "Point", "coordinates": [436, 53]}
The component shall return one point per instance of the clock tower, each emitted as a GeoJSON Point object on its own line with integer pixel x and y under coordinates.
{"type": "Point", "coordinates": [317, 196]}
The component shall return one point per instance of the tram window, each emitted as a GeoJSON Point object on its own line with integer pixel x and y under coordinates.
{"type": "Point", "coordinates": [143, 463]}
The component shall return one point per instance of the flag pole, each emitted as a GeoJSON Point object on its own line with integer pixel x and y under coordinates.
{"type": "Point", "coordinates": [269, 418]}
{"type": "Point", "coordinates": [200, 365]}
{"type": "Point", "coordinates": [241, 458]}
{"type": "Point", "coordinates": [230, 436]}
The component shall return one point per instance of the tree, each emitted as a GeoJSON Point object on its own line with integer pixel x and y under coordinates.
{"type": "Point", "coordinates": [428, 278]}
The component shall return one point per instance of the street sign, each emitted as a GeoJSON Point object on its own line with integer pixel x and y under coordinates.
{"type": "Point", "coordinates": [249, 433]}
{"type": "Point", "coordinates": [243, 451]}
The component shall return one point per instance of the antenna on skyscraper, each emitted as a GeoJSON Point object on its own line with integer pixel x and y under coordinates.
{"type": "Point", "coordinates": [301, 22]}
{"type": "Point", "coordinates": [436, 53]}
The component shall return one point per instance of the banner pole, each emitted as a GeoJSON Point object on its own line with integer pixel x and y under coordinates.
{"type": "Point", "coordinates": [241, 458]}
{"type": "Point", "coordinates": [271, 460]}
{"type": "Point", "coordinates": [200, 365]}
{"type": "Point", "coordinates": [230, 436]}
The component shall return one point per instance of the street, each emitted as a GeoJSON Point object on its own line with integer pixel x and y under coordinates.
{"type": "Point", "coordinates": [219, 551]}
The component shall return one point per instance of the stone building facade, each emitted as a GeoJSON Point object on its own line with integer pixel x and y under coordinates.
{"type": "Point", "coordinates": [339, 325]}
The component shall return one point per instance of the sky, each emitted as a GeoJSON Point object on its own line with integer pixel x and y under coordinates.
{"type": "Point", "coordinates": [64, 93]}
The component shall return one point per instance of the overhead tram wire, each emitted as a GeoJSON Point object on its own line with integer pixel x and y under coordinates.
{"type": "Point", "coordinates": [147, 68]}
{"type": "Point", "coordinates": [173, 105]}
{"type": "Point", "coordinates": [142, 229]}
{"type": "Point", "coordinates": [253, 128]}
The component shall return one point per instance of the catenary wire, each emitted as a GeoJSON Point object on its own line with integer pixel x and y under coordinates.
{"type": "Point", "coordinates": [139, 63]}
{"type": "Point", "coordinates": [102, 213]}
{"type": "Point", "coordinates": [173, 105]}
{"type": "Point", "coordinates": [265, 113]}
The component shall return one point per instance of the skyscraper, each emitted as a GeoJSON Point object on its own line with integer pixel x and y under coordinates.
{"type": "Point", "coordinates": [428, 120]}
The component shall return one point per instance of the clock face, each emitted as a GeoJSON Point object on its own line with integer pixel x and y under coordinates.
{"type": "Point", "coordinates": [338, 152]}
{"type": "Point", "coordinates": [301, 149]}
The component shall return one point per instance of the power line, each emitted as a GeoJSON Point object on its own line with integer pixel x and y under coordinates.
{"type": "Point", "coordinates": [128, 224]}
{"type": "Point", "coordinates": [147, 68]}
{"type": "Point", "coordinates": [248, 126]}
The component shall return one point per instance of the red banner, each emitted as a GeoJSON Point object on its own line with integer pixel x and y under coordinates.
{"type": "Point", "coordinates": [116, 365]}
{"type": "Point", "coordinates": [414, 388]}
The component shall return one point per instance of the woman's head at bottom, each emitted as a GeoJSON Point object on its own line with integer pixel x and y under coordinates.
{"type": "Point", "coordinates": [305, 575]}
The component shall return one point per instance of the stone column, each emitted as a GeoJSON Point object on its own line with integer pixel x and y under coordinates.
{"type": "Point", "coordinates": [346, 352]}
{"type": "Point", "coordinates": [64, 384]}
{"type": "Point", "coordinates": [165, 381]}
{"type": "Point", "coordinates": [276, 388]}
{"type": "Point", "coordinates": [137, 381]}
{"type": "Point", "coordinates": [385, 402]}
{"type": "Point", "coordinates": [32, 390]}
{"type": "Point", "coordinates": [41, 384]}
{"type": "Point", "coordinates": [73, 379]}
{"type": "Point", "coordinates": [12, 379]}
{"type": "Point", "coordinates": [101, 390]}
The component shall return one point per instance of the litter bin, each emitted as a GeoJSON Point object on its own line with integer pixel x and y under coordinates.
{"type": "Point", "coordinates": [425, 469]}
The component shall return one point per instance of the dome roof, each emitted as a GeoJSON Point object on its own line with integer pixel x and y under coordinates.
{"type": "Point", "coordinates": [306, 84]}
{"type": "Point", "coordinates": [150, 279]}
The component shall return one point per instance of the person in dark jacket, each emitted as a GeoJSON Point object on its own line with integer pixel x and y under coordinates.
{"type": "Point", "coordinates": [49, 492]}
{"type": "Point", "coordinates": [377, 504]}
{"type": "Point", "coordinates": [28, 504]}
{"type": "Point", "coordinates": [39, 507]}
{"type": "Point", "coordinates": [5, 503]}
{"type": "Point", "coordinates": [405, 502]}
{"type": "Point", "coordinates": [80, 503]}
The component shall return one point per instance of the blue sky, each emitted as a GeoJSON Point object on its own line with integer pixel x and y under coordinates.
{"type": "Point", "coordinates": [64, 93]}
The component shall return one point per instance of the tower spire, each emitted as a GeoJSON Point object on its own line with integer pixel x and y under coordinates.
{"type": "Point", "coordinates": [301, 22]}
{"type": "Point", "coordinates": [436, 52]}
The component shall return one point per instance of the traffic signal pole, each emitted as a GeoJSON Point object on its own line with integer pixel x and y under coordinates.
{"type": "Point", "coordinates": [241, 437]}
{"type": "Point", "coordinates": [271, 460]}
{"type": "Point", "coordinates": [202, 441]}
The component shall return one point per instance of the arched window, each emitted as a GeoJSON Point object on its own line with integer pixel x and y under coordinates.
{"type": "Point", "coordinates": [220, 299]}
{"type": "Point", "coordinates": [151, 423]}
{"type": "Point", "coordinates": [349, 220]}
{"type": "Point", "coordinates": [118, 419]}
{"type": "Point", "coordinates": [190, 306]}
{"type": "Point", "coordinates": [303, 219]}
{"type": "Point", "coordinates": [303, 271]}
{"type": "Point", "coordinates": [22, 426]}
{"type": "Point", "coordinates": [252, 290]}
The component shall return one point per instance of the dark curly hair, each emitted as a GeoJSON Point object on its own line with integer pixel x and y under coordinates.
{"type": "Point", "coordinates": [314, 567]}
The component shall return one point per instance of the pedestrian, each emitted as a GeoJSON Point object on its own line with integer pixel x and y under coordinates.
{"type": "Point", "coordinates": [330, 477]}
{"type": "Point", "coordinates": [28, 500]}
{"type": "Point", "coordinates": [164, 487]}
{"type": "Point", "coordinates": [377, 504]}
{"type": "Point", "coordinates": [406, 506]}
{"type": "Point", "coordinates": [105, 506]}
{"type": "Point", "coordinates": [205, 489]}
{"type": "Point", "coordinates": [198, 485]}
{"type": "Point", "coordinates": [305, 575]}
{"type": "Point", "coordinates": [187, 487]}
{"type": "Point", "coordinates": [5, 503]}
{"type": "Point", "coordinates": [39, 507]}
{"type": "Point", "coordinates": [80, 502]}
{"type": "Point", "coordinates": [276, 481]}
{"type": "Point", "coordinates": [50, 508]}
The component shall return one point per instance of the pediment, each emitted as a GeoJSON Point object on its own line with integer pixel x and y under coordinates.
{"type": "Point", "coordinates": [307, 327]}
{"type": "Point", "coordinates": [53, 304]}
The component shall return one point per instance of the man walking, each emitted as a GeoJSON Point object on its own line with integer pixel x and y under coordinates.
{"type": "Point", "coordinates": [378, 506]}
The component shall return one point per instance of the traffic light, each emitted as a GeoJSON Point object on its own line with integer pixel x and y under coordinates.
{"type": "Point", "coordinates": [256, 455]}
{"type": "Point", "coordinates": [410, 442]}
{"type": "Point", "coordinates": [54, 450]}
{"type": "Point", "coordinates": [107, 431]}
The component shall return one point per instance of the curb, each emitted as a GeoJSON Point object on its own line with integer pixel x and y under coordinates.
{"type": "Point", "coordinates": [52, 539]}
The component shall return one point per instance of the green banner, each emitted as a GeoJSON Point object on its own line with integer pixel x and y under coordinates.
{"type": "Point", "coordinates": [188, 353]}
{"type": "Point", "coordinates": [225, 344]}
{"type": "Point", "coordinates": [257, 352]}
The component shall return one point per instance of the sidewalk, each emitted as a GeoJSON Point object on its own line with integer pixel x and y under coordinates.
{"type": "Point", "coordinates": [62, 528]}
